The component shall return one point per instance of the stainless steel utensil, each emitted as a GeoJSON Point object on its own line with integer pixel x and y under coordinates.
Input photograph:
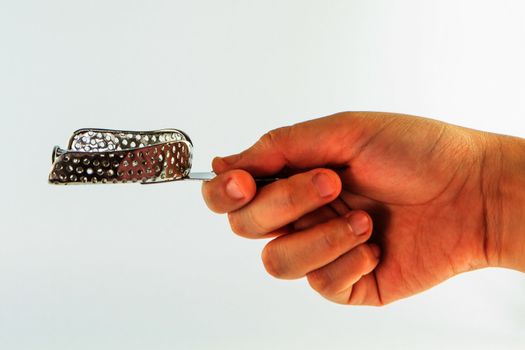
{"type": "Point", "coordinates": [117, 156]}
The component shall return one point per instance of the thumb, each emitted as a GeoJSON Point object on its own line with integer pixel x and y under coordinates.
{"type": "Point", "coordinates": [315, 143]}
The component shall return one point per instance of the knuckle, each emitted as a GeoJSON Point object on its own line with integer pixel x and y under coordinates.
{"type": "Point", "coordinates": [366, 255]}
{"type": "Point", "coordinates": [245, 224]}
{"type": "Point", "coordinates": [320, 281]}
{"type": "Point", "coordinates": [272, 261]}
{"type": "Point", "coordinates": [236, 224]}
{"type": "Point", "coordinates": [274, 137]}
{"type": "Point", "coordinates": [287, 195]}
{"type": "Point", "coordinates": [259, 227]}
{"type": "Point", "coordinates": [336, 234]}
{"type": "Point", "coordinates": [329, 287]}
{"type": "Point", "coordinates": [267, 140]}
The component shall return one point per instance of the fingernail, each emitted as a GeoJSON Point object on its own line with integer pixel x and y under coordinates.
{"type": "Point", "coordinates": [376, 250]}
{"type": "Point", "coordinates": [233, 190]}
{"type": "Point", "coordinates": [229, 160]}
{"type": "Point", "coordinates": [359, 223]}
{"type": "Point", "coordinates": [323, 183]}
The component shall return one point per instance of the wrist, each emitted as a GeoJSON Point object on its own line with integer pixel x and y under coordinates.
{"type": "Point", "coordinates": [503, 189]}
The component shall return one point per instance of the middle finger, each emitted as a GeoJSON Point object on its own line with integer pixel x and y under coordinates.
{"type": "Point", "coordinates": [284, 201]}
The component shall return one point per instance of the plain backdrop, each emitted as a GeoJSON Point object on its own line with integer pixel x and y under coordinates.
{"type": "Point", "coordinates": [149, 267]}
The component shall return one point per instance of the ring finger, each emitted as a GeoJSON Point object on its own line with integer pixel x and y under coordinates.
{"type": "Point", "coordinates": [294, 255]}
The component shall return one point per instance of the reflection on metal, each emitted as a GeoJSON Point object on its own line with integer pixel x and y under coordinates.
{"type": "Point", "coordinates": [95, 156]}
{"type": "Point", "coordinates": [118, 156]}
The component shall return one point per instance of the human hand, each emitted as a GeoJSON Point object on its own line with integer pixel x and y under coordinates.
{"type": "Point", "coordinates": [438, 196]}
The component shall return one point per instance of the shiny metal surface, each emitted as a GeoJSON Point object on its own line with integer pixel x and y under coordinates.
{"type": "Point", "coordinates": [97, 156]}
{"type": "Point", "coordinates": [117, 156]}
{"type": "Point", "coordinates": [201, 176]}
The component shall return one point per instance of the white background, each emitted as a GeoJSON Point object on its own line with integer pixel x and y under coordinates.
{"type": "Point", "coordinates": [149, 267]}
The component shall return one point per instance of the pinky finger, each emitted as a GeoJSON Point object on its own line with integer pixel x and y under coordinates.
{"type": "Point", "coordinates": [347, 280]}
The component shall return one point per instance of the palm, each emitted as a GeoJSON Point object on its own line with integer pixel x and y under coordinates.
{"type": "Point", "coordinates": [424, 200]}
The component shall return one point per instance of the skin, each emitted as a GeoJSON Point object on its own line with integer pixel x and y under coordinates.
{"type": "Point", "coordinates": [431, 200]}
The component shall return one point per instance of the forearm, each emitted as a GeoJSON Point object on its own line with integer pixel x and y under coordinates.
{"type": "Point", "coordinates": [505, 209]}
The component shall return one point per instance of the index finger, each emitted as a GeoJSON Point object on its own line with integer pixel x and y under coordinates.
{"type": "Point", "coordinates": [323, 142]}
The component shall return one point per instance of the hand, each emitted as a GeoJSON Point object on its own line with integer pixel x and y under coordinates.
{"type": "Point", "coordinates": [432, 191]}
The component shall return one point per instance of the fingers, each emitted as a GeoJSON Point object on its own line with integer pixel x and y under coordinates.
{"type": "Point", "coordinates": [282, 202]}
{"type": "Point", "coordinates": [332, 210]}
{"type": "Point", "coordinates": [294, 255]}
{"type": "Point", "coordinates": [306, 145]}
{"type": "Point", "coordinates": [347, 279]}
{"type": "Point", "coordinates": [315, 217]}
{"type": "Point", "coordinates": [228, 191]}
